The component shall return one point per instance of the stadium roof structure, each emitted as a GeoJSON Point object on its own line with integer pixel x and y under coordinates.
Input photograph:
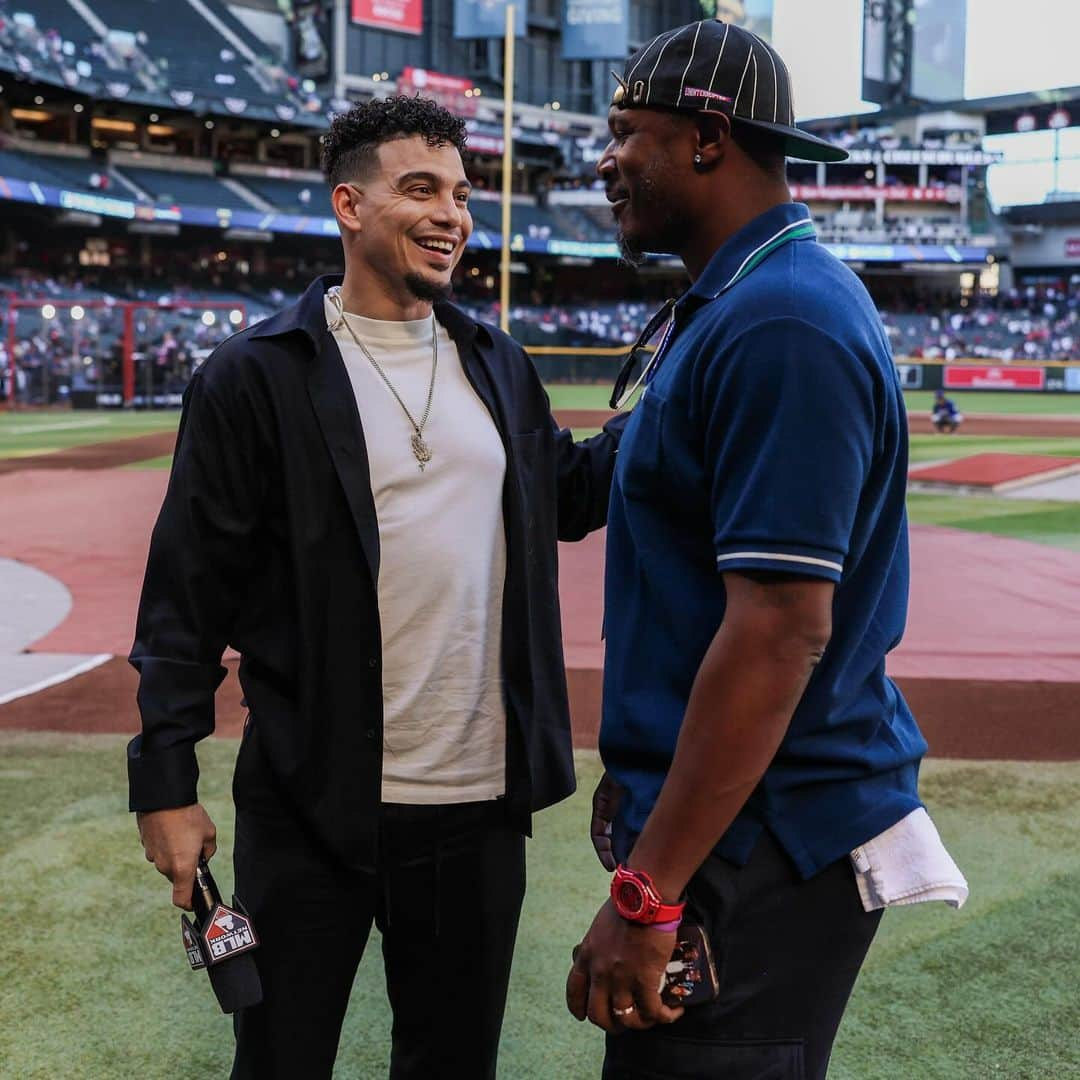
{"type": "Point", "coordinates": [1002, 103]}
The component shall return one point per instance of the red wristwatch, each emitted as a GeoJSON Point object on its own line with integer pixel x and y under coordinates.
{"type": "Point", "coordinates": [637, 900]}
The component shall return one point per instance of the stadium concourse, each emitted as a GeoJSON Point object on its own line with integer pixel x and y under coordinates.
{"type": "Point", "coordinates": [74, 591]}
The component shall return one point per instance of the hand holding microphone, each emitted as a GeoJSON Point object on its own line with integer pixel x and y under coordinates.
{"type": "Point", "coordinates": [179, 842]}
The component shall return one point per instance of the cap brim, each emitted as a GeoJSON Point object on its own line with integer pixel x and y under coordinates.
{"type": "Point", "coordinates": [797, 143]}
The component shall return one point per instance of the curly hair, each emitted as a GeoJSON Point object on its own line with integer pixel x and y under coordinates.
{"type": "Point", "coordinates": [350, 146]}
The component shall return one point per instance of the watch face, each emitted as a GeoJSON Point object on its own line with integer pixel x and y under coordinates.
{"type": "Point", "coordinates": [631, 898]}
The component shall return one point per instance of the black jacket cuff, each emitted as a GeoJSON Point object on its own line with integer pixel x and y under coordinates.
{"type": "Point", "coordinates": [162, 779]}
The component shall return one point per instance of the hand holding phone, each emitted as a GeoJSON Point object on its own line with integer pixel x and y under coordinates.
{"type": "Point", "coordinates": [690, 978]}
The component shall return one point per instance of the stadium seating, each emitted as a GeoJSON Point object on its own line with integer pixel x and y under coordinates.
{"type": "Point", "coordinates": [170, 30]}
{"type": "Point", "coordinates": [287, 195]}
{"type": "Point", "coordinates": [174, 187]}
{"type": "Point", "coordinates": [51, 171]}
{"type": "Point", "coordinates": [526, 220]}
{"type": "Point", "coordinates": [55, 42]}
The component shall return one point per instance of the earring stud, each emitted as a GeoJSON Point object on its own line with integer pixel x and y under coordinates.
{"type": "Point", "coordinates": [697, 159]}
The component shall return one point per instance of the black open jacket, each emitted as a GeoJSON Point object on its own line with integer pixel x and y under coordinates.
{"type": "Point", "coordinates": [267, 541]}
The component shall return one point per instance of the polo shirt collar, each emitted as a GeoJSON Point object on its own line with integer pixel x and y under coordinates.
{"type": "Point", "coordinates": [308, 315]}
{"type": "Point", "coordinates": [741, 253]}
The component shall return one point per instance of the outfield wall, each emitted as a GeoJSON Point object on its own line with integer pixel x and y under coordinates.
{"type": "Point", "coordinates": [600, 366]}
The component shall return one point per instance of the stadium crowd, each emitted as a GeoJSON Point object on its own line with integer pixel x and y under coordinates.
{"type": "Point", "coordinates": [56, 354]}
{"type": "Point", "coordinates": [1023, 324]}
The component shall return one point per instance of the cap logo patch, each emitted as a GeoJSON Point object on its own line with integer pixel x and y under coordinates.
{"type": "Point", "coordinates": [698, 92]}
{"type": "Point", "coordinates": [639, 91]}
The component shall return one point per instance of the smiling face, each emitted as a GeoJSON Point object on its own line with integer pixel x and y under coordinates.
{"type": "Point", "coordinates": [644, 177]}
{"type": "Point", "coordinates": [410, 218]}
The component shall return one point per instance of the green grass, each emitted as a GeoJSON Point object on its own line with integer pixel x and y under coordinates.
{"type": "Point", "coordinates": [573, 396]}
{"type": "Point", "coordinates": [93, 982]}
{"type": "Point", "coordinates": [566, 396]}
{"type": "Point", "coordinates": [163, 462]}
{"type": "Point", "coordinates": [940, 447]}
{"type": "Point", "coordinates": [1000, 401]}
{"type": "Point", "coordinates": [24, 433]}
{"type": "Point", "coordinates": [1054, 523]}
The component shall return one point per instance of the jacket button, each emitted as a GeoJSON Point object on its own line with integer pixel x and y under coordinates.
{"type": "Point", "coordinates": [373, 662]}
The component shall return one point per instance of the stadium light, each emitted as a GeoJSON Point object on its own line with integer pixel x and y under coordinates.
{"type": "Point", "coordinates": [209, 125]}
{"type": "Point", "coordinates": [236, 316]}
{"type": "Point", "coordinates": [101, 123]}
{"type": "Point", "coordinates": [208, 318]}
{"type": "Point", "coordinates": [48, 311]}
{"type": "Point", "coordinates": [376, 77]}
{"type": "Point", "coordinates": [77, 107]}
{"type": "Point", "coordinates": [556, 106]}
{"type": "Point", "coordinates": [385, 76]}
{"type": "Point", "coordinates": [154, 118]}
{"type": "Point", "coordinates": [274, 133]}
{"type": "Point", "coordinates": [77, 313]}
{"type": "Point", "coordinates": [39, 100]}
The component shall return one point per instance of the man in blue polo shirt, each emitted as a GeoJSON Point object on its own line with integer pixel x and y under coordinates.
{"type": "Point", "coordinates": [761, 768]}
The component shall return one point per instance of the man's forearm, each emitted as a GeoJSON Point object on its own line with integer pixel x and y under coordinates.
{"type": "Point", "coordinates": [747, 688]}
{"type": "Point", "coordinates": [585, 471]}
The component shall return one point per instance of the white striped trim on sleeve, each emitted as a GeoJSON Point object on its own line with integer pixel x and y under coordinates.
{"type": "Point", "coordinates": [775, 557]}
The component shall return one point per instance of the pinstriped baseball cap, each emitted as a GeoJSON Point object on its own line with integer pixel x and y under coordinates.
{"type": "Point", "coordinates": [713, 66]}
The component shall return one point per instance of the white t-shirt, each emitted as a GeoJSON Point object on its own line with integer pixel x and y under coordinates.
{"type": "Point", "coordinates": [442, 565]}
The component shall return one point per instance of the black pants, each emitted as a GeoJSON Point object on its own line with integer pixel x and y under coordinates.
{"type": "Point", "coordinates": [446, 896]}
{"type": "Point", "coordinates": [787, 954]}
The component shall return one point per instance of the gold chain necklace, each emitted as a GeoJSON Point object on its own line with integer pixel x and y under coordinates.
{"type": "Point", "coordinates": [421, 450]}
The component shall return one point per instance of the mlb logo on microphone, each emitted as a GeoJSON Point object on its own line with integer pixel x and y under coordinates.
{"type": "Point", "coordinates": [226, 934]}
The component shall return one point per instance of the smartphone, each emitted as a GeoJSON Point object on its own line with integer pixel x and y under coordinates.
{"type": "Point", "coordinates": [690, 978]}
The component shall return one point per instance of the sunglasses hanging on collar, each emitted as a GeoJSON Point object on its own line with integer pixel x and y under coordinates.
{"type": "Point", "coordinates": [641, 354]}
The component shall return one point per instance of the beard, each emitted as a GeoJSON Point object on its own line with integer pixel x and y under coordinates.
{"type": "Point", "coordinates": [666, 227]}
{"type": "Point", "coordinates": [628, 252]}
{"type": "Point", "coordinates": [427, 290]}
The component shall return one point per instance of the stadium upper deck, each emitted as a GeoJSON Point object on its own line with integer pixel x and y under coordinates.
{"type": "Point", "coordinates": [109, 123]}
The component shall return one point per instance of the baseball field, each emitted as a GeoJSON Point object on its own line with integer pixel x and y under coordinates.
{"type": "Point", "coordinates": [93, 980]}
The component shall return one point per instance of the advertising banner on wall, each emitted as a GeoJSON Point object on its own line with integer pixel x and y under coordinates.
{"type": "Point", "coordinates": [403, 16]}
{"type": "Point", "coordinates": [486, 18]}
{"type": "Point", "coordinates": [971, 377]}
{"type": "Point", "coordinates": [595, 29]}
{"type": "Point", "coordinates": [937, 49]}
{"type": "Point", "coordinates": [309, 23]}
{"type": "Point", "coordinates": [450, 91]}
{"type": "Point", "coordinates": [910, 376]}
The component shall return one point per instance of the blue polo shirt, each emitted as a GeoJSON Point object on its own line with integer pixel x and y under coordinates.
{"type": "Point", "coordinates": [772, 436]}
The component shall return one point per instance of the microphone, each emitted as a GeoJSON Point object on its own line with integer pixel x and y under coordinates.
{"type": "Point", "coordinates": [220, 939]}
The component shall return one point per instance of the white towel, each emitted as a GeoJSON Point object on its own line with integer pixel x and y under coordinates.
{"type": "Point", "coordinates": [907, 864]}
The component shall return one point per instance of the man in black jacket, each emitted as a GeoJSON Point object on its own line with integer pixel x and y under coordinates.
{"type": "Point", "coordinates": [365, 502]}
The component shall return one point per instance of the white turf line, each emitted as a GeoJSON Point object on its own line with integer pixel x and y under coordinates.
{"type": "Point", "coordinates": [55, 680]}
{"type": "Point", "coordinates": [68, 425]}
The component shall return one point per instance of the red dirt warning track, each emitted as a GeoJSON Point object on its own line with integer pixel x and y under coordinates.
{"type": "Point", "coordinates": [106, 455]}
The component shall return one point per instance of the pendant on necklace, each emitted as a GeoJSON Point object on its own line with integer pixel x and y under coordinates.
{"type": "Point", "coordinates": [421, 450]}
